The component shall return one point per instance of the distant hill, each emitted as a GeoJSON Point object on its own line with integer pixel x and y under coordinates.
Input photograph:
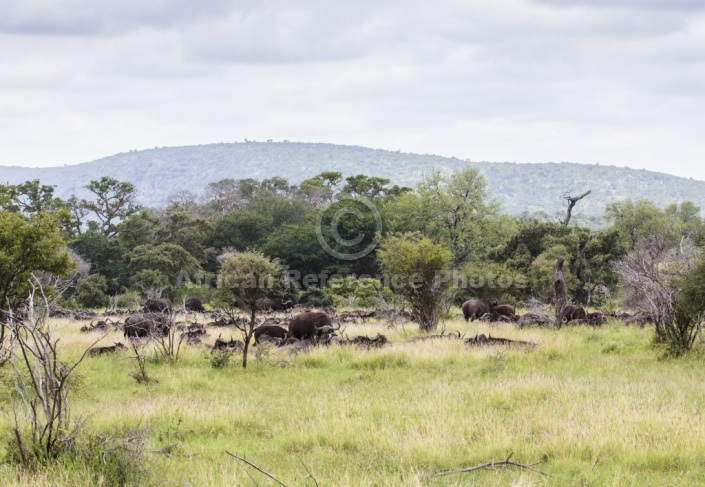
{"type": "Point", "coordinates": [520, 188]}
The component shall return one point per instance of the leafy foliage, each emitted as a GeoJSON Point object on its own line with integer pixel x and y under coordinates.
{"type": "Point", "coordinates": [91, 292]}
{"type": "Point", "coordinates": [419, 271]}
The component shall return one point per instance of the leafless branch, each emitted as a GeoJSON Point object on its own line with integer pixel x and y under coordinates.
{"type": "Point", "coordinates": [490, 465]}
{"type": "Point", "coordinates": [257, 468]}
{"type": "Point", "coordinates": [308, 471]}
{"type": "Point", "coordinates": [572, 200]}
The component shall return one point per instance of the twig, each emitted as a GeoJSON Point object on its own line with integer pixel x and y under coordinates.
{"type": "Point", "coordinates": [308, 471]}
{"type": "Point", "coordinates": [257, 468]}
{"type": "Point", "coordinates": [490, 465]}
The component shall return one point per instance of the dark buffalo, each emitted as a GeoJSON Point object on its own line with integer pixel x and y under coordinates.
{"type": "Point", "coordinates": [103, 350]}
{"type": "Point", "coordinates": [503, 310]}
{"type": "Point", "coordinates": [222, 345]}
{"type": "Point", "coordinates": [310, 325]}
{"type": "Point", "coordinates": [272, 331]}
{"type": "Point", "coordinates": [276, 304]}
{"type": "Point", "coordinates": [477, 308]}
{"type": "Point", "coordinates": [157, 306]}
{"type": "Point", "coordinates": [143, 325]}
{"type": "Point", "coordinates": [597, 318]}
{"type": "Point", "coordinates": [573, 312]}
{"type": "Point", "coordinates": [530, 319]}
{"type": "Point", "coordinates": [194, 304]}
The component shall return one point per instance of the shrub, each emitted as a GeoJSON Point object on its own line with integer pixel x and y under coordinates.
{"type": "Point", "coordinates": [91, 292]}
{"type": "Point", "coordinates": [316, 297]}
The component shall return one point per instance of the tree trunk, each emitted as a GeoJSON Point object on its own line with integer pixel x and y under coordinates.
{"type": "Point", "coordinates": [559, 289]}
{"type": "Point", "coordinates": [248, 336]}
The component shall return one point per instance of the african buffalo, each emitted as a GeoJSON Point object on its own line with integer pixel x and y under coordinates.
{"type": "Point", "coordinates": [476, 308]}
{"type": "Point", "coordinates": [503, 310]}
{"type": "Point", "coordinates": [276, 304]}
{"type": "Point", "coordinates": [142, 325]}
{"type": "Point", "coordinates": [573, 312]}
{"type": "Point", "coordinates": [222, 345]}
{"type": "Point", "coordinates": [157, 306]}
{"type": "Point", "coordinates": [272, 331]}
{"type": "Point", "coordinates": [310, 325]}
{"type": "Point", "coordinates": [194, 304]}
{"type": "Point", "coordinates": [596, 318]}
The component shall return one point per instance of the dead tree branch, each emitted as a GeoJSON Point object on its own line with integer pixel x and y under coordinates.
{"type": "Point", "coordinates": [572, 200]}
{"type": "Point", "coordinates": [490, 466]}
{"type": "Point", "coordinates": [257, 468]}
{"type": "Point", "coordinates": [308, 471]}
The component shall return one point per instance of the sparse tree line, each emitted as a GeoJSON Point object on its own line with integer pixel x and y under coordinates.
{"type": "Point", "coordinates": [107, 251]}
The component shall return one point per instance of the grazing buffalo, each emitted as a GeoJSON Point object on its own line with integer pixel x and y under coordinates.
{"type": "Point", "coordinates": [222, 345]}
{"type": "Point", "coordinates": [143, 325]}
{"type": "Point", "coordinates": [310, 325]}
{"type": "Point", "coordinates": [157, 306]}
{"type": "Point", "coordinates": [272, 331]}
{"type": "Point", "coordinates": [103, 350]}
{"type": "Point", "coordinates": [477, 308]}
{"type": "Point", "coordinates": [503, 310]}
{"type": "Point", "coordinates": [597, 318]}
{"type": "Point", "coordinates": [194, 304]}
{"type": "Point", "coordinates": [100, 326]}
{"type": "Point", "coordinates": [573, 312]}
{"type": "Point", "coordinates": [276, 304]}
{"type": "Point", "coordinates": [530, 319]}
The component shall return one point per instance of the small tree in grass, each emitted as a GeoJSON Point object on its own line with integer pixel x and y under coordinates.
{"type": "Point", "coordinates": [246, 279]}
{"type": "Point", "coordinates": [419, 271]}
{"type": "Point", "coordinates": [666, 283]}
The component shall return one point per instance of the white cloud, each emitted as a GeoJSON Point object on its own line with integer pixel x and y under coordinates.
{"type": "Point", "coordinates": [549, 80]}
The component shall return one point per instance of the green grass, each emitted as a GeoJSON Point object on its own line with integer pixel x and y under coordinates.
{"type": "Point", "coordinates": [598, 406]}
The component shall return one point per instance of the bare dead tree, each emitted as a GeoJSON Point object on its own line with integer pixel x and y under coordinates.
{"type": "Point", "coordinates": [41, 380]}
{"type": "Point", "coordinates": [559, 290]}
{"type": "Point", "coordinates": [572, 200]}
{"type": "Point", "coordinates": [649, 274]}
{"type": "Point", "coordinates": [167, 343]}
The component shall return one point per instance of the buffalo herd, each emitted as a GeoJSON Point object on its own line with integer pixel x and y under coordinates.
{"type": "Point", "coordinates": [308, 328]}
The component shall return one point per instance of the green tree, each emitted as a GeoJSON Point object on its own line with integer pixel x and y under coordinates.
{"type": "Point", "coordinates": [687, 216]}
{"type": "Point", "coordinates": [113, 203]}
{"type": "Point", "coordinates": [456, 212]}
{"type": "Point", "coordinates": [240, 230]}
{"type": "Point", "coordinates": [91, 292]}
{"type": "Point", "coordinates": [27, 246]}
{"type": "Point", "coordinates": [247, 278]}
{"type": "Point", "coordinates": [320, 190]}
{"type": "Point", "coordinates": [169, 259]}
{"type": "Point", "coordinates": [419, 271]}
{"type": "Point", "coordinates": [592, 259]}
{"type": "Point", "coordinates": [151, 282]}
{"type": "Point", "coordinates": [106, 256]}
{"type": "Point", "coordinates": [297, 247]}
{"type": "Point", "coordinates": [364, 292]}
{"type": "Point", "coordinates": [30, 198]}
{"type": "Point", "coordinates": [638, 219]}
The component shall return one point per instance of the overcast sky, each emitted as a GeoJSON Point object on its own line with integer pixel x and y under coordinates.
{"type": "Point", "coordinates": [611, 81]}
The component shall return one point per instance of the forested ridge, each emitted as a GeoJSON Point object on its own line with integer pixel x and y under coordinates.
{"type": "Point", "coordinates": [529, 189]}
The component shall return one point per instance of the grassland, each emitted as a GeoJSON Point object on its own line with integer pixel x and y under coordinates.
{"type": "Point", "coordinates": [597, 406]}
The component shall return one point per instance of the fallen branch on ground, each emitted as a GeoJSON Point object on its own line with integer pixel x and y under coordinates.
{"type": "Point", "coordinates": [491, 465]}
{"type": "Point", "coordinates": [257, 468]}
